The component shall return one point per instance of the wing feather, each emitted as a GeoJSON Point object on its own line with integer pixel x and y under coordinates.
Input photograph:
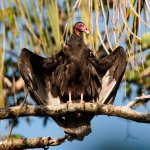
{"type": "Point", "coordinates": [35, 71]}
{"type": "Point", "coordinates": [111, 70]}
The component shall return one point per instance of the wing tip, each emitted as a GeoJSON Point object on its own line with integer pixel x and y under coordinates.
{"type": "Point", "coordinates": [121, 50]}
{"type": "Point", "coordinates": [122, 53]}
{"type": "Point", "coordinates": [24, 51]}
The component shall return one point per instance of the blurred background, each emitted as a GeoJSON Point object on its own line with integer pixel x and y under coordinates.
{"type": "Point", "coordinates": [44, 26]}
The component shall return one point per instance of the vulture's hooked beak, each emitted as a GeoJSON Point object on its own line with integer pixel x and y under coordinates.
{"type": "Point", "coordinates": [86, 31]}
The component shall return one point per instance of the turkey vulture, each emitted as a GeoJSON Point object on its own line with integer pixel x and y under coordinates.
{"type": "Point", "coordinates": [75, 75]}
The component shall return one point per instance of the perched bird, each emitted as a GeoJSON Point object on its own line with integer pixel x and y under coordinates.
{"type": "Point", "coordinates": [73, 75]}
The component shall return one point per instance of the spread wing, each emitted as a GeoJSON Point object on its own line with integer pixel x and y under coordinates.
{"type": "Point", "coordinates": [111, 70]}
{"type": "Point", "coordinates": [36, 72]}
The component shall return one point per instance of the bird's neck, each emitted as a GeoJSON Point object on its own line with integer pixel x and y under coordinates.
{"type": "Point", "coordinates": [76, 40]}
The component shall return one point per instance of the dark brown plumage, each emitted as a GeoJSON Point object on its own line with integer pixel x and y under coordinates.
{"type": "Point", "coordinates": [74, 74]}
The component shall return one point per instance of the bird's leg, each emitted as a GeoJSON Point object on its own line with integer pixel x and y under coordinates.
{"type": "Point", "coordinates": [96, 100]}
{"type": "Point", "coordinates": [81, 101]}
{"type": "Point", "coordinates": [93, 100]}
{"type": "Point", "coordinates": [70, 100]}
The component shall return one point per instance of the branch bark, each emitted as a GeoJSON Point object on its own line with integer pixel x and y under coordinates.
{"type": "Point", "coordinates": [140, 99]}
{"type": "Point", "coordinates": [23, 143]}
{"type": "Point", "coordinates": [96, 108]}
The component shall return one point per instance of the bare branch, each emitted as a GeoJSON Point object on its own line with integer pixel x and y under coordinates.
{"type": "Point", "coordinates": [142, 49]}
{"type": "Point", "coordinates": [145, 73]}
{"type": "Point", "coordinates": [143, 98]}
{"type": "Point", "coordinates": [18, 86]}
{"type": "Point", "coordinates": [23, 143]}
{"type": "Point", "coordinates": [96, 108]}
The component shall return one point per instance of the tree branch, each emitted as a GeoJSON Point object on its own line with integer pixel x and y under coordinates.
{"type": "Point", "coordinates": [145, 73]}
{"type": "Point", "coordinates": [140, 99]}
{"type": "Point", "coordinates": [96, 108]}
{"type": "Point", "coordinates": [11, 88]}
{"type": "Point", "coordinates": [23, 143]}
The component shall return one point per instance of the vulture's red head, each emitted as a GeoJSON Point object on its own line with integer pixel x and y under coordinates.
{"type": "Point", "coordinates": [80, 27]}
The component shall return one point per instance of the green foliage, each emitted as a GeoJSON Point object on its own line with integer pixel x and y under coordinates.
{"type": "Point", "coordinates": [145, 40]}
{"type": "Point", "coordinates": [15, 136]}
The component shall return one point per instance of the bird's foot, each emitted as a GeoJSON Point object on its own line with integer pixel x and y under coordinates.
{"type": "Point", "coordinates": [68, 103]}
{"type": "Point", "coordinates": [82, 102]}
{"type": "Point", "coordinates": [95, 100]}
{"type": "Point", "coordinates": [70, 100]}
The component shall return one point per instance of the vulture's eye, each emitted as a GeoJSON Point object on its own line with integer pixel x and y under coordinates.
{"type": "Point", "coordinates": [81, 25]}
